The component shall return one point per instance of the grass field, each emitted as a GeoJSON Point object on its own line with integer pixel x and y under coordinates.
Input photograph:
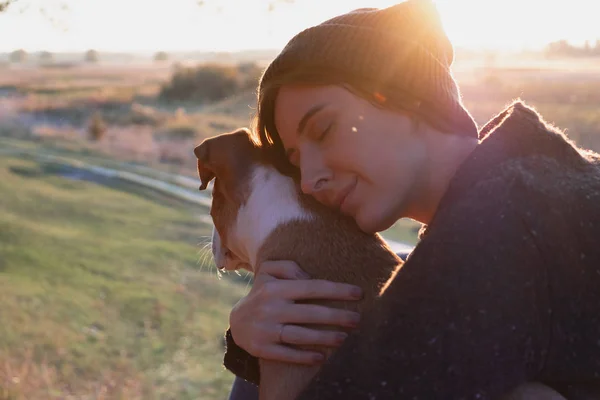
{"type": "Point", "coordinates": [105, 288]}
{"type": "Point", "coordinates": [105, 291]}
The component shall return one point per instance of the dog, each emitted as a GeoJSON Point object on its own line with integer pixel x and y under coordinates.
{"type": "Point", "coordinates": [260, 214]}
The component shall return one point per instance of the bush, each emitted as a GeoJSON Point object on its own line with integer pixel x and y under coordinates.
{"type": "Point", "coordinates": [177, 132]}
{"type": "Point", "coordinates": [46, 57]}
{"type": "Point", "coordinates": [210, 82]}
{"type": "Point", "coordinates": [18, 56]}
{"type": "Point", "coordinates": [143, 115]}
{"type": "Point", "coordinates": [251, 74]}
{"type": "Point", "coordinates": [161, 56]}
{"type": "Point", "coordinates": [91, 56]}
{"type": "Point", "coordinates": [97, 127]}
{"type": "Point", "coordinates": [206, 83]}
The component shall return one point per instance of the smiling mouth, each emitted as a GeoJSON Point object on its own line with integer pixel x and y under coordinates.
{"type": "Point", "coordinates": [345, 194]}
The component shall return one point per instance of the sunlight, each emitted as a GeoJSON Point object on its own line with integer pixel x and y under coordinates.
{"type": "Point", "coordinates": [514, 24]}
{"type": "Point", "coordinates": [225, 25]}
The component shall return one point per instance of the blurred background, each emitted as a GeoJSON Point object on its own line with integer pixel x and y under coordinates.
{"type": "Point", "coordinates": [107, 287]}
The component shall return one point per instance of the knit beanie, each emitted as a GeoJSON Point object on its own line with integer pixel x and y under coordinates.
{"type": "Point", "coordinates": [402, 50]}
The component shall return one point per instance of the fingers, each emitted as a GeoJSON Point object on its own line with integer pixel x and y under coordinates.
{"type": "Point", "coordinates": [256, 320]}
{"type": "Point", "coordinates": [282, 270]}
{"type": "Point", "coordinates": [308, 289]}
{"type": "Point", "coordinates": [316, 314]}
{"type": "Point", "coordinates": [290, 355]}
{"type": "Point", "coordinates": [297, 335]}
{"type": "Point", "coordinates": [294, 334]}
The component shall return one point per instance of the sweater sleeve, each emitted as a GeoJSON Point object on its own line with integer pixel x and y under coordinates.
{"type": "Point", "coordinates": [466, 317]}
{"type": "Point", "coordinates": [239, 361]}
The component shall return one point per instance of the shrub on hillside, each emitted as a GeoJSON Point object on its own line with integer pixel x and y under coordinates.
{"type": "Point", "coordinates": [206, 83]}
{"type": "Point", "coordinates": [161, 56]}
{"type": "Point", "coordinates": [210, 82]}
{"type": "Point", "coordinates": [97, 127]}
{"type": "Point", "coordinates": [251, 74]}
{"type": "Point", "coordinates": [18, 56]}
{"type": "Point", "coordinates": [91, 56]}
{"type": "Point", "coordinates": [46, 57]}
{"type": "Point", "coordinates": [144, 115]}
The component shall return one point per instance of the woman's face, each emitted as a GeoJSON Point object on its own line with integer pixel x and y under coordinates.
{"type": "Point", "coordinates": [353, 156]}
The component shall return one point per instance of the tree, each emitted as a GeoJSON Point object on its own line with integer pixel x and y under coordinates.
{"type": "Point", "coordinates": [161, 56]}
{"type": "Point", "coordinates": [91, 56]}
{"type": "Point", "coordinates": [4, 4]}
{"type": "Point", "coordinates": [18, 56]}
{"type": "Point", "coordinates": [46, 57]}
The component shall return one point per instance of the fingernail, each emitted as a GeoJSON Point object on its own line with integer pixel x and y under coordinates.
{"type": "Point", "coordinates": [302, 275]}
{"type": "Point", "coordinates": [354, 320]}
{"type": "Point", "coordinates": [340, 337]}
{"type": "Point", "coordinates": [356, 292]}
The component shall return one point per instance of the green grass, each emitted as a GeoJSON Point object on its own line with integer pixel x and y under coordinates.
{"type": "Point", "coordinates": [404, 230]}
{"type": "Point", "coordinates": [102, 288]}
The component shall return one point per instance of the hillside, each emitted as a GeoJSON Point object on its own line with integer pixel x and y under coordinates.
{"type": "Point", "coordinates": [105, 288]}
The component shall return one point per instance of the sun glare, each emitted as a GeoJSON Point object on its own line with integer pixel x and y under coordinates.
{"type": "Point", "coordinates": [233, 25]}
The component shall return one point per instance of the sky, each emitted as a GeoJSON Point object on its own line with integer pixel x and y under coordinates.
{"type": "Point", "coordinates": [226, 25]}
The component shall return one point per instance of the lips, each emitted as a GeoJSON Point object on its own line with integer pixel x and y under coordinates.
{"type": "Point", "coordinates": [341, 203]}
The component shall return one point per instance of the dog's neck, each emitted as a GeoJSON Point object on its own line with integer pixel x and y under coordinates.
{"type": "Point", "coordinates": [256, 219]}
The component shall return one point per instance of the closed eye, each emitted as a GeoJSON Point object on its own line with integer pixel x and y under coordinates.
{"type": "Point", "coordinates": [325, 132]}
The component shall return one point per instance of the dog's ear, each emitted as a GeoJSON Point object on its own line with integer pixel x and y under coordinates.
{"type": "Point", "coordinates": [226, 157]}
{"type": "Point", "coordinates": [205, 169]}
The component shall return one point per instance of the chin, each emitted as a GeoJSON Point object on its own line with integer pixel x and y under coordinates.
{"type": "Point", "coordinates": [373, 223]}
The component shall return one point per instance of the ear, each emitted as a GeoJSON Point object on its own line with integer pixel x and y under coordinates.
{"type": "Point", "coordinates": [226, 157]}
{"type": "Point", "coordinates": [205, 170]}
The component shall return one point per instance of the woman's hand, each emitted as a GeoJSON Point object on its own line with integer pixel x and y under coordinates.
{"type": "Point", "coordinates": [262, 323]}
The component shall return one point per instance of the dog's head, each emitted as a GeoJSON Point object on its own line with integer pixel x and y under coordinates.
{"type": "Point", "coordinates": [249, 199]}
{"type": "Point", "coordinates": [229, 159]}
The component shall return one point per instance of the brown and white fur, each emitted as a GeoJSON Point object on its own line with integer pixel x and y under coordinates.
{"type": "Point", "coordinates": [260, 214]}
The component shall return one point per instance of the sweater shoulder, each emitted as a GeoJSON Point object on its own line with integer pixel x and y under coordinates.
{"type": "Point", "coordinates": [540, 175]}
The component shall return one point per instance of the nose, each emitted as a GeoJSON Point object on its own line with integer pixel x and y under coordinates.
{"type": "Point", "coordinates": [312, 185]}
{"type": "Point", "coordinates": [314, 175]}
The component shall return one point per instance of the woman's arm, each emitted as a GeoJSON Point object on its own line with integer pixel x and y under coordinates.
{"type": "Point", "coordinates": [244, 364]}
{"type": "Point", "coordinates": [237, 360]}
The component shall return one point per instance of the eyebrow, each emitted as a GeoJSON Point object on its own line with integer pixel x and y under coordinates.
{"type": "Point", "coordinates": [303, 121]}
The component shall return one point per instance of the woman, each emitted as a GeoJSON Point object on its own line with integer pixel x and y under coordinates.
{"type": "Point", "coordinates": [504, 286]}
